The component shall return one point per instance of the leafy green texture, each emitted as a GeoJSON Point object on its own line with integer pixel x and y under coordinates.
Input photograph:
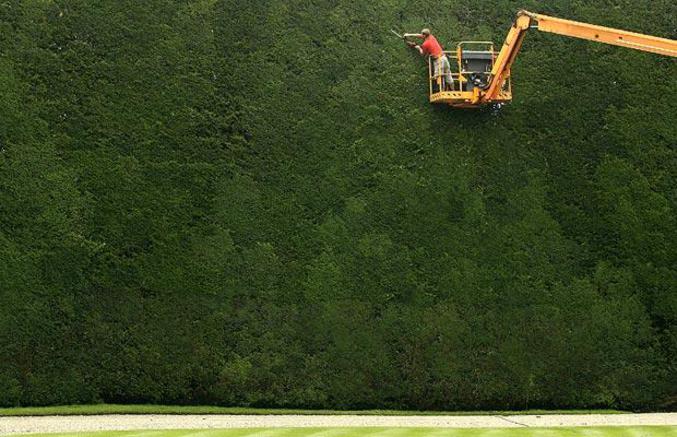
{"type": "Point", "coordinates": [252, 203]}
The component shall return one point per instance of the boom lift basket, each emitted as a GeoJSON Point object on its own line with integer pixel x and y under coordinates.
{"type": "Point", "coordinates": [471, 65]}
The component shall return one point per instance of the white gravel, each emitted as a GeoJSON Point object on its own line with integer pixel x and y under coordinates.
{"type": "Point", "coordinates": [50, 424]}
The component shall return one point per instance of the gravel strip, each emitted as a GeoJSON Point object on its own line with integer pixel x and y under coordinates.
{"type": "Point", "coordinates": [49, 424]}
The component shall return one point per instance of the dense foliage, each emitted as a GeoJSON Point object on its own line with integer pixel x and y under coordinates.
{"type": "Point", "coordinates": [252, 203]}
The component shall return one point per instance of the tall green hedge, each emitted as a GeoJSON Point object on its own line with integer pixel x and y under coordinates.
{"type": "Point", "coordinates": [252, 203]}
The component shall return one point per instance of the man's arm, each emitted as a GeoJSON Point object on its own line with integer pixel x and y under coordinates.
{"type": "Point", "coordinates": [412, 44]}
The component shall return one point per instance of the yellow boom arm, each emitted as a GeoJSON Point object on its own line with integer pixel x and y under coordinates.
{"type": "Point", "coordinates": [526, 20]}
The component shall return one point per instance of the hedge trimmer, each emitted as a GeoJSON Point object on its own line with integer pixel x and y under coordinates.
{"type": "Point", "coordinates": [403, 38]}
{"type": "Point", "coordinates": [397, 34]}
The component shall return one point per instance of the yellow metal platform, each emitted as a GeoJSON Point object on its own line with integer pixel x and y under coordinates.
{"type": "Point", "coordinates": [463, 92]}
{"type": "Point", "coordinates": [466, 99]}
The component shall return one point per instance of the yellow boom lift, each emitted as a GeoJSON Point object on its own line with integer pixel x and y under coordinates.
{"type": "Point", "coordinates": [483, 75]}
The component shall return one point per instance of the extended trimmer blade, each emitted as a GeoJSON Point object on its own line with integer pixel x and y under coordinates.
{"type": "Point", "coordinates": [397, 34]}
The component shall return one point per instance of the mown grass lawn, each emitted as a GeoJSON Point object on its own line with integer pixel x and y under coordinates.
{"type": "Point", "coordinates": [392, 432]}
{"type": "Point", "coordinates": [178, 409]}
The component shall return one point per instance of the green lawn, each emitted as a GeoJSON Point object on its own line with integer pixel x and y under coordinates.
{"type": "Point", "coordinates": [394, 432]}
{"type": "Point", "coordinates": [170, 409]}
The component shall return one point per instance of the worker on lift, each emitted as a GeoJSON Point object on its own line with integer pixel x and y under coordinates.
{"type": "Point", "coordinates": [432, 48]}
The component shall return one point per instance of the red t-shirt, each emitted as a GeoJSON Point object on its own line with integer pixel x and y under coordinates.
{"type": "Point", "coordinates": [431, 47]}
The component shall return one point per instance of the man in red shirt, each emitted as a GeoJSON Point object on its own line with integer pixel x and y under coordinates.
{"type": "Point", "coordinates": [432, 48]}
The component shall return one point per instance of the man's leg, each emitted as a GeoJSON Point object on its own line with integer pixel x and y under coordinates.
{"type": "Point", "coordinates": [447, 74]}
{"type": "Point", "coordinates": [436, 74]}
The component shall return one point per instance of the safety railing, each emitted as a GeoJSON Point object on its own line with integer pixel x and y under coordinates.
{"type": "Point", "coordinates": [437, 82]}
{"type": "Point", "coordinates": [459, 76]}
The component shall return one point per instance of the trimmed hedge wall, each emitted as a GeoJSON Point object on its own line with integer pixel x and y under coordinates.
{"type": "Point", "coordinates": [252, 203]}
